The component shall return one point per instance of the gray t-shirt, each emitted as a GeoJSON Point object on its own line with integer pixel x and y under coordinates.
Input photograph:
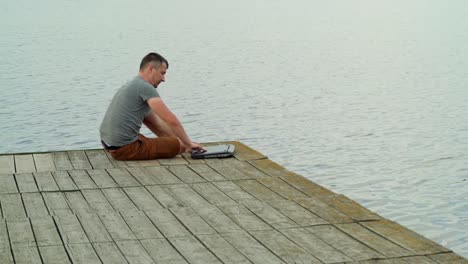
{"type": "Point", "coordinates": [126, 112]}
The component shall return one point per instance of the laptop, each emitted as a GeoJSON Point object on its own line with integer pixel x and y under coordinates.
{"type": "Point", "coordinates": [219, 151]}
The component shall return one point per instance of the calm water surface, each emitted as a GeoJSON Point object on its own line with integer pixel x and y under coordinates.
{"type": "Point", "coordinates": [368, 98]}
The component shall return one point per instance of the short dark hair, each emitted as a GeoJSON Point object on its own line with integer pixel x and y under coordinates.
{"type": "Point", "coordinates": [154, 58]}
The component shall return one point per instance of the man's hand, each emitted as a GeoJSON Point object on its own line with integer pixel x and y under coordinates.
{"type": "Point", "coordinates": [195, 147]}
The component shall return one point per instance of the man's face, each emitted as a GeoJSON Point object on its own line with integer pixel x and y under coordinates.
{"type": "Point", "coordinates": [158, 74]}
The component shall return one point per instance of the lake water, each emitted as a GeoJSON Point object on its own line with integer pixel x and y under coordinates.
{"type": "Point", "coordinates": [368, 98]}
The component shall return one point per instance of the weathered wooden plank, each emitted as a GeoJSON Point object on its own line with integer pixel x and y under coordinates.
{"type": "Point", "coordinates": [167, 223]}
{"type": "Point", "coordinates": [142, 198]}
{"type": "Point", "coordinates": [134, 252]}
{"type": "Point", "coordinates": [7, 184]}
{"type": "Point", "coordinates": [421, 260]}
{"type": "Point", "coordinates": [55, 202]}
{"type": "Point", "coordinates": [45, 231]}
{"type": "Point", "coordinates": [143, 176]}
{"type": "Point", "coordinates": [5, 256]}
{"type": "Point", "coordinates": [217, 219]}
{"type": "Point", "coordinates": [259, 191]}
{"type": "Point", "coordinates": [116, 226]}
{"type": "Point", "coordinates": [94, 228]}
{"type": "Point", "coordinates": [373, 240]}
{"type": "Point", "coordinates": [7, 164]}
{"type": "Point", "coordinates": [405, 237]}
{"type": "Point", "coordinates": [44, 162]}
{"type": "Point", "coordinates": [269, 214]}
{"type": "Point", "coordinates": [78, 203]}
{"type": "Point", "coordinates": [163, 197]}
{"type": "Point", "coordinates": [345, 244]}
{"type": "Point", "coordinates": [34, 205]}
{"type": "Point", "coordinates": [250, 248]}
{"type": "Point", "coordinates": [282, 188]}
{"type": "Point", "coordinates": [119, 200]}
{"type": "Point", "coordinates": [192, 221]}
{"type": "Point", "coordinates": [64, 181]}
{"type": "Point", "coordinates": [383, 261]}
{"type": "Point", "coordinates": [246, 168]}
{"type": "Point", "coordinates": [283, 247]}
{"type": "Point", "coordinates": [79, 160]}
{"type": "Point", "coordinates": [116, 163]}
{"type": "Point", "coordinates": [187, 195]}
{"type": "Point", "coordinates": [102, 178]}
{"type": "Point", "coordinates": [162, 251]}
{"type": "Point", "coordinates": [323, 210]}
{"type": "Point", "coordinates": [207, 172]}
{"type": "Point", "coordinates": [97, 201]}
{"type": "Point", "coordinates": [163, 175]}
{"type": "Point", "coordinates": [306, 186]}
{"type": "Point", "coordinates": [61, 161]}
{"type": "Point", "coordinates": [449, 258]}
{"type": "Point", "coordinates": [70, 229]}
{"type": "Point", "coordinates": [45, 181]}
{"type": "Point", "coordinates": [82, 179]}
{"type": "Point", "coordinates": [142, 163]}
{"type": "Point", "coordinates": [54, 255]}
{"type": "Point", "coordinates": [140, 224]}
{"type": "Point", "coordinates": [350, 208]}
{"type": "Point", "coordinates": [270, 167]}
{"type": "Point", "coordinates": [193, 250]}
{"type": "Point", "coordinates": [233, 190]}
{"type": "Point", "coordinates": [4, 240]}
{"type": "Point", "coordinates": [98, 159]}
{"type": "Point", "coordinates": [186, 174]}
{"type": "Point", "coordinates": [222, 249]}
{"type": "Point", "coordinates": [123, 178]}
{"type": "Point", "coordinates": [212, 194]}
{"type": "Point", "coordinates": [314, 245]}
{"type": "Point", "coordinates": [244, 152]}
{"type": "Point", "coordinates": [24, 163]}
{"type": "Point", "coordinates": [19, 231]}
{"type": "Point", "coordinates": [226, 170]}
{"type": "Point", "coordinates": [244, 218]}
{"type": "Point", "coordinates": [177, 160]}
{"type": "Point", "coordinates": [12, 206]}
{"type": "Point", "coordinates": [25, 253]}
{"type": "Point", "coordinates": [109, 253]}
{"type": "Point", "coordinates": [82, 254]}
{"type": "Point", "coordinates": [26, 182]}
{"type": "Point", "coordinates": [297, 213]}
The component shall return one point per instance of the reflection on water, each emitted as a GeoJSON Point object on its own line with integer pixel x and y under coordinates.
{"type": "Point", "coordinates": [367, 98]}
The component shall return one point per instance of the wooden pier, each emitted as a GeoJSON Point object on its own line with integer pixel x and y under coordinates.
{"type": "Point", "coordinates": [85, 207]}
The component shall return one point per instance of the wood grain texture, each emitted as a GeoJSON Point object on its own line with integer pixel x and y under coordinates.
{"type": "Point", "coordinates": [7, 164]}
{"type": "Point", "coordinates": [83, 206]}
{"type": "Point", "coordinates": [24, 163]}
{"type": "Point", "coordinates": [44, 162]}
{"type": "Point", "coordinates": [79, 160]}
{"type": "Point", "coordinates": [8, 184]}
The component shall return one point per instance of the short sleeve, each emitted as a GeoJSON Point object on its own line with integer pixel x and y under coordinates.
{"type": "Point", "coordinates": [147, 91]}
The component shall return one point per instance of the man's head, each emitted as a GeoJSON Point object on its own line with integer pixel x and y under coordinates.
{"type": "Point", "coordinates": [153, 68]}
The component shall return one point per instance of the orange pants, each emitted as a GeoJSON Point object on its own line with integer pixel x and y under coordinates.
{"type": "Point", "coordinates": [147, 148]}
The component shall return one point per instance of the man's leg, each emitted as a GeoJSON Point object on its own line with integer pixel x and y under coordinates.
{"type": "Point", "coordinates": [149, 148]}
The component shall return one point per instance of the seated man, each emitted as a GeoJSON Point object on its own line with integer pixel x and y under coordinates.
{"type": "Point", "coordinates": [138, 102]}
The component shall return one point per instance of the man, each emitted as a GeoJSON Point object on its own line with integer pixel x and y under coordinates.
{"type": "Point", "coordinates": [138, 102]}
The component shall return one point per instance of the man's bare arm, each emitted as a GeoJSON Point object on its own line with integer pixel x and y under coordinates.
{"type": "Point", "coordinates": [161, 110]}
{"type": "Point", "coordinates": [157, 125]}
